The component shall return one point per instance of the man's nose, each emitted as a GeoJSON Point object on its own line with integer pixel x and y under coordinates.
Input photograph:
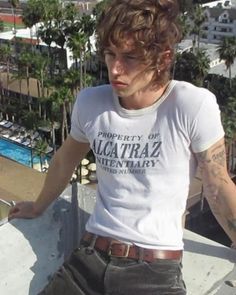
{"type": "Point", "coordinates": [117, 67]}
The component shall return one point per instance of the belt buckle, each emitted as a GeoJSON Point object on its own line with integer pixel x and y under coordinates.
{"type": "Point", "coordinates": [127, 248]}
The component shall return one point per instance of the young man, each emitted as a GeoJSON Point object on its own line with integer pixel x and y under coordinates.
{"type": "Point", "coordinates": [148, 134]}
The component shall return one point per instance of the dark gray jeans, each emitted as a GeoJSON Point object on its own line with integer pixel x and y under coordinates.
{"type": "Point", "coordinates": [93, 273]}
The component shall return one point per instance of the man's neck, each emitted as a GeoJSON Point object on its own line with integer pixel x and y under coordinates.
{"type": "Point", "coordinates": [143, 99]}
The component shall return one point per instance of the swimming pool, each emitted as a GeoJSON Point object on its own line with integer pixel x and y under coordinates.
{"type": "Point", "coordinates": [19, 153]}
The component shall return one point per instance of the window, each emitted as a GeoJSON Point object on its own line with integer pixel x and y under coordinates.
{"type": "Point", "coordinates": [225, 21]}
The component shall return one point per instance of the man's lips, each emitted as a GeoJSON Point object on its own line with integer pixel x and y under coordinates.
{"type": "Point", "coordinates": [118, 84]}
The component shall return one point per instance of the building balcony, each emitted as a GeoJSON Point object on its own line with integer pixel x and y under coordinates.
{"type": "Point", "coordinates": [223, 25]}
{"type": "Point", "coordinates": [222, 34]}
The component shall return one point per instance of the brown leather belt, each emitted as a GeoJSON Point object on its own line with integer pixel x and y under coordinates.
{"type": "Point", "coordinates": [118, 249]}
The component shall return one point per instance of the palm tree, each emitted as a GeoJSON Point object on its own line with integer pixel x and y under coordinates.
{"type": "Point", "coordinates": [198, 17]}
{"type": "Point", "coordinates": [80, 45]}
{"type": "Point", "coordinates": [25, 62]}
{"type": "Point", "coordinates": [51, 29]}
{"type": "Point", "coordinates": [14, 5]}
{"type": "Point", "coordinates": [72, 80]}
{"type": "Point", "coordinates": [1, 25]}
{"type": "Point", "coordinates": [185, 5]}
{"type": "Point", "coordinates": [192, 67]}
{"type": "Point", "coordinates": [99, 7]}
{"type": "Point", "coordinates": [61, 96]}
{"type": "Point", "coordinates": [40, 150]}
{"type": "Point", "coordinates": [32, 14]}
{"type": "Point", "coordinates": [184, 24]}
{"type": "Point", "coordinates": [5, 57]}
{"type": "Point", "coordinates": [18, 76]}
{"type": "Point", "coordinates": [77, 44]}
{"type": "Point", "coordinates": [227, 52]}
{"type": "Point", "coordinates": [40, 70]}
{"type": "Point", "coordinates": [201, 67]}
{"type": "Point", "coordinates": [87, 25]}
{"type": "Point", "coordinates": [30, 120]}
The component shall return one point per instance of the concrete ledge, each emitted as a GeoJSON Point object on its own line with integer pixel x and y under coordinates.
{"type": "Point", "coordinates": [32, 250]}
{"type": "Point", "coordinates": [209, 267]}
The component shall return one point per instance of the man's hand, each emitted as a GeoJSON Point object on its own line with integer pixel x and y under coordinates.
{"type": "Point", "coordinates": [26, 209]}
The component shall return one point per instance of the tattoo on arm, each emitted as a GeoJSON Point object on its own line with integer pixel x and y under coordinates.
{"type": "Point", "coordinates": [219, 155]}
{"type": "Point", "coordinates": [217, 186]}
{"type": "Point", "coordinates": [215, 160]}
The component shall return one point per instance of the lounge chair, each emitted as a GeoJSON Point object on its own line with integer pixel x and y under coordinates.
{"type": "Point", "coordinates": [26, 141]}
{"type": "Point", "coordinates": [3, 122]}
{"type": "Point", "coordinates": [14, 137]}
{"type": "Point", "coordinates": [8, 124]}
{"type": "Point", "coordinates": [6, 133]}
{"type": "Point", "coordinates": [15, 127]}
{"type": "Point", "coordinates": [19, 139]}
{"type": "Point", "coordinates": [35, 135]}
{"type": "Point", "coordinates": [32, 144]}
{"type": "Point", "coordinates": [49, 149]}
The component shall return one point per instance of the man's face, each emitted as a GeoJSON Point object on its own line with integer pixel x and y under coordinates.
{"type": "Point", "coordinates": [127, 73]}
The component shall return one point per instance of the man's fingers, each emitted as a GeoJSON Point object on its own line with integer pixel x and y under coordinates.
{"type": "Point", "coordinates": [23, 209]}
{"type": "Point", "coordinates": [13, 213]}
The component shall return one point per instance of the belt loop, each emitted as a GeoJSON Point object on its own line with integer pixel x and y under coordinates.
{"type": "Point", "coordinates": [140, 254]}
{"type": "Point", "coordinates": [90, 248]}
{"type": "Point", "coordinates": [93, 241]}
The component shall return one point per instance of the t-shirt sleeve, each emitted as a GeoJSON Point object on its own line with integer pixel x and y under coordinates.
{"type": "Point", "coordinates": [77, 131]}
{"type": "Point", "coordinates": [206, 128]}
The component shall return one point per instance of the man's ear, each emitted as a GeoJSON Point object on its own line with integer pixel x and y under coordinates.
{"type": "Point", "coordinates": [166, 59]}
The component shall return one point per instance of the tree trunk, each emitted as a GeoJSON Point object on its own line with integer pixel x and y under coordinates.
{"type": "Point", "coordinates": [28, 88]}
{"type": "Point", "coordinates": [230, 77]}
{"type": "Point", "coordinates": [53, 138]}
{"type": "Point", "coordinates": [20, 87]}
{"type": "Point", "coordinates": [62, 124]}
{"type": "Point", "coordinates": [81, 71]}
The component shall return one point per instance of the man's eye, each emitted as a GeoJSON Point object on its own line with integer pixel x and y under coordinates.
{"type": "Point", "coordinates": [110, 53]}
{"type": "Point", "coordinates": [130, 57]}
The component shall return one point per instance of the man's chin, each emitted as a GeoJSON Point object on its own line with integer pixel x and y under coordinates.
{"type": "Point", "coordinates": [120, 93]}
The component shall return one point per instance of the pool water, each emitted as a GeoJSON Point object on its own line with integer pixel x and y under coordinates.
{"type": "Point", "coordinates": [20, 154]}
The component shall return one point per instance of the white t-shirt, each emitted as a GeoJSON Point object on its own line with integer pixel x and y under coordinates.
{"type": "Point", "coordinates": [145, 160]}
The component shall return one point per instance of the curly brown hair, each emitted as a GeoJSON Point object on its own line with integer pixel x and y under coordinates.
{"type": "Point", "coordinates": [152, 25]}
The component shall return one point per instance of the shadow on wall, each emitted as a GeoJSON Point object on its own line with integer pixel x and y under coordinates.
{"type": "Point", "coordinates": [50, 238]}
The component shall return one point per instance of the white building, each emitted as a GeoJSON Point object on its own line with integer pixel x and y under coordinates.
{"type": "Point", "coordinates": [220, 23]}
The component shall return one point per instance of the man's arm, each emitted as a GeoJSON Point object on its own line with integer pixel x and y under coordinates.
{"type": "Point", "coordinates": [218, 187]}
{"type": "Point", "coordinates": [59, 173]}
